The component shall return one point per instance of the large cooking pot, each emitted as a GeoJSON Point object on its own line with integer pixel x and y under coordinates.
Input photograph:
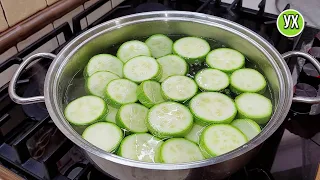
{"type": "Point", "coordinates": [77, 53]}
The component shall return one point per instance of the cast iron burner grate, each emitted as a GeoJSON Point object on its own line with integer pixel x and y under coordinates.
{"type": "Point", "coordinates": [31, 145]}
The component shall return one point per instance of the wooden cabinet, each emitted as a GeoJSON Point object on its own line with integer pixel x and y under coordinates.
{"type": "Point", "coordinates": [3, 22]}
{"type": "Point", "coordinates": [18, 10]}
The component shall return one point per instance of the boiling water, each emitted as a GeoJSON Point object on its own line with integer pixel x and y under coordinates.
{"type": "Point", "coordinates": [76, 87]}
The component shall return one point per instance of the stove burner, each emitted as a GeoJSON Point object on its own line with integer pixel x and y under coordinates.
{"type": "Point", "coordinates": [303, 125]}
{"type": "Point", "coordinates": [310, 70]}
{"type": "Point", "coordinates": [251, 174]}
{"type": "Point", "coordinates": [266, 37]}
{"type": "Point", "coordinates": [36, 111]}
{"type": "Point", "coordinates": [96, 174]}
{"type": "Point", "coordinates": [303, 89]}
{"type": "Point", "coordinates": [37, 145]}
{"type": "Point", "coordinates": [146, 7]}
{"type": "Point", "coordinates": [306, 90]}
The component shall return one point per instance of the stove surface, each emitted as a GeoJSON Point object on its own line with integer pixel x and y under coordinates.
{"type": "Point", "coordinates": [34, 148]}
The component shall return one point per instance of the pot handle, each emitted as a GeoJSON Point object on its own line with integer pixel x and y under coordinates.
{"type": "Point", "coordinates": [315, 63]}
{"type": "Point", "coordinates": [12, 86]}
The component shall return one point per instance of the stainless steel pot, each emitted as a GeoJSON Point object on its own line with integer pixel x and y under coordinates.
{"type": "Point", "coordinates": [76, 54]}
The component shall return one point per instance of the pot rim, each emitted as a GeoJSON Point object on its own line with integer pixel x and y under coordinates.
{"type": "Point", "coordinates": [282, 70]}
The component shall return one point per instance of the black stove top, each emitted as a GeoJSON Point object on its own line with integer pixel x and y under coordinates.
{"type": "Point", "coordinates": [32, 147]}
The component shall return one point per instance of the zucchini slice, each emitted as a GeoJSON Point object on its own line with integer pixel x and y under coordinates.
{"type": "Point", "coordinates": [104, 135]}
{"type": "Point", "coordinates": [212, 107]}
{"type": "Point", "coordinates": [254, 106]}
{"type": "Point", "coordinates": [132, 117]}
{"type": "Point", "coordinates": [172, 65]}
{"type": "Point", "coordinates": [212, 80]}
{"type": "Point", "coordinates": [142, 68]}
{"type": "Point", "coordinates": [248, 127]}
{"type": "Point", "coordinates": [159, 45]}
{"type": "Point", "coordinates": [131, 49]}
{"type": "Point", "coordinates": [192, 49]}
{"type": "Point", "coordinates": [97, 83]}
{"type": "Point", "coordinates": [195, 133]}
{"type": "Point", "coordinates": [218, 139]}
{"type": "Point", "coordinates": [179, 88]}
{"type": "Point", "coordinates": [149, 93]}
{"type": "Point", "coordinates": [140, 147]}
{"type": "Point", "coordinates": [120, 92]}
{"type": "Point", "coordinates": [85, 110]}
{"type": "Point", "coordinates": [169, 119]}
{"type": "Point", "coordinates": [247, 80]}
{"type": "Point", "coordinates": [179, 150]}
{"type": "Point", "coordinates": [104, 62]}
{"type": "Point", "coordinates": [111, 116]}
{"type": "Point", "coordinates": [225, 59]}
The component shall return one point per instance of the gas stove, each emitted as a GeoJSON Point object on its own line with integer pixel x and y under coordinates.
{"type": "Point", "coordinates": [32, 147]}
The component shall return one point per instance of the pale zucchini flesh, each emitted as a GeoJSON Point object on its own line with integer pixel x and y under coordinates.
{"type": "Point", "coordinates": [172, 65]}
{"type": "Point", "coordinates": [149, 93]}
{"type": "Point", "coordinates": [111, 116]}
{"type": "Point", "coordinates": [212, 107]}
{"type": "Point", "coordinates": [248, 127]}
{"type": "Point", "coordinates": [97, 82]}
{"type": "Point", "coordinates": [132, 118]}
{"type": "Point", "coordinates": [169, 119]}
{"type": "Point", "coordinates": [179, 88]}
{"type": "Point", "coordinates": [104, 62]}
{"type": "Point", "coordinates": [180, 150]}
{"type": "Point", "coordinates": [192, 49]}
{"type": "Point", "coordinates": [194, 134]}
{"type": "Point", "coordinates": [85, 110]}
{"type": "Point", "coordinates": [131, 49]}
{"type": "Point", "coordinates": [104, 135]}
{"type": "Point", "coordinates": [225, 59]}
{"type": "Point", "coordinates": [159, 45]}
{"type": "Point", "coordinates": [218, 139]}
{"type": "Point", "coordinates": [121, 91]}
{"type": "Point", "coordinates": [142, 68]}
{"type": "Point", "coordinates": [254, 106]}
{"type": "Point", "coordinates": [247, 80]}
{"type": "Point", "coordinates": [140, 147]}
{"type": "Point", "coordinates": [212, 80]}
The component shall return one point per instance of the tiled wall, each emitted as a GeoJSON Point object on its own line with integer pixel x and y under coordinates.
{"type": "Point", "coordinates": [99, 12]}
{"type": "Point", "coordinates": [50, 2]}
{"type": "Point", "coordinates": [3, 23]}
{"type": "Point", "coordinates": [54, 43]}
{"type": "Point", "coordinates": [18, 10]}
{"type": "Point", "coordinates": [68, 18]}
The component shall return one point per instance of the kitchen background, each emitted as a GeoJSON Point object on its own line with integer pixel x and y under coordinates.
{"type": "Point", "coordinates": [14, 11]}
{"type": "Point", "coordinates": [293, 151]}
